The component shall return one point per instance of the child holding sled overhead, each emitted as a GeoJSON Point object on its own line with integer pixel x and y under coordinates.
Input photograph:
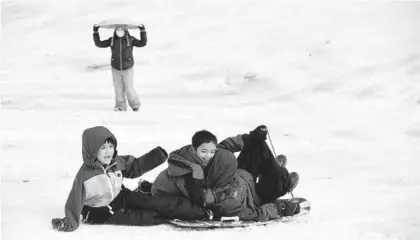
{"type": "Point", "coordinates": [209, 175]}
{"type": "Point", "coordinates": [122, 62]}
{"type": "Point", "coordinates": [98, 193]}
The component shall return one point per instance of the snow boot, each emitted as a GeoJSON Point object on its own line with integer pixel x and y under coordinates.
{"type": "Point", "coordinates": [286, 207]}
{"type": "Point", "coordinates": [294, 180]}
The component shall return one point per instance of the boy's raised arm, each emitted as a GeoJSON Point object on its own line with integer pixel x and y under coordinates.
{"type": "Point", "coordinates": [97, 40]}
{"type": "Point", "coordinates": [233, 144]}
{"type": "Point", "coordinates": [135, 167]}
{"type": "Point", "coordinates": [143, 37]}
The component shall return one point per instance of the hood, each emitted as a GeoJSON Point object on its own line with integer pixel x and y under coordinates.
{"type": "Point", "coordinates": [126, 37]}
{"type": "Point", "coordinates": [184, 161]}
{"type": "Point", "coordinates": [126, 33]}
{"type": "Point", "coordinates": [217, 173]}
{"type": "Point", "coordinates": [92, 140]}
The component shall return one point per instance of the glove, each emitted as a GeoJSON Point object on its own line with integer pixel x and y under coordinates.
{"type": "Point", "coordinates": [259, 133]}
{"type": "Point", "coordinates": [95, 28]}
{"type": "Point", "coordinates": [142, 28]}
{"type": "Point", "coordinates": [208, 197]}
{"type": "Point", "coordinates": [208, 215]}
{"type": "Point", "coordinates": [60, 224]}
{"type": "Point", "coordinates": [163, 152]}
{"type": "Point", "coordinates": [287, 208]}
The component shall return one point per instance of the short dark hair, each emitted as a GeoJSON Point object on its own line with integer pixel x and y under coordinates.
{"type": "Point", "coordinates": [112, 140]}
{"type": "Point", "coordinates": [203, 136]}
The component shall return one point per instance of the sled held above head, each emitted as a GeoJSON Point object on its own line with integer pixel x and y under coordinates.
{"type": "Point", "coordinates": [114, 23]}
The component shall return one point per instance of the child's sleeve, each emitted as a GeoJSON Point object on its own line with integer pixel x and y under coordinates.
{"type": "Point", "coordinates": [74, 204]}
{"type": "Point", "coordinates": [135, 167]}
{"type": "Point", "coordinates": [143, 40]}
{"type": "Point", "coordinates": [233, 144]}
{"type": "Point", "coordinates": [99, 43]}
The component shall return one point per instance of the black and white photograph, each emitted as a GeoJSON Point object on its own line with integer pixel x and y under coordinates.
{"type": "Point", "coordinates": [210, 119]}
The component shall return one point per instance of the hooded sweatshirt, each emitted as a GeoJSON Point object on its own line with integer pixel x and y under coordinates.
{"type": "Point", "coordinates": [96, 185]}
{"type": "Point", "coordinates": [121, 48]}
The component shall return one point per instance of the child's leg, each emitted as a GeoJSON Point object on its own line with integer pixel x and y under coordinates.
{"type": "Point", "coordinates": [136, 217]}
{"type": "Point", "coordinates": [167, 206]}
{"type": "Point", "coordinates": [132, 97]}
{"type": "Point", "coordinates": [273, 180]}
{"type": "Point", "coordinates": [117, 78]}
{"type": "Point", "coordinates": [273, 183]}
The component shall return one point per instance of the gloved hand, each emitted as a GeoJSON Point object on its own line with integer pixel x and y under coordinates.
{"type": "Point", "coordinates": [259, 133]}
{"type": "Point", "coordinates": [209, 215]}
{"type": "Point", "coordinates": [95, 28]}
{"type": "Point", "coordinates": [142, 28]}
{"type": "Point", "coordinates": [287, 208]}
{"type": "Point", "coordinates": [60, 224]}
{"type": "Point", "coordinates": [208, 197]}
{"type": "Point", "coordinates": [162, 152]}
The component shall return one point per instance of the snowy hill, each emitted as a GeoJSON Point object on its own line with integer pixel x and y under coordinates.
{"type": "Point", "coordinates": [337, 84]}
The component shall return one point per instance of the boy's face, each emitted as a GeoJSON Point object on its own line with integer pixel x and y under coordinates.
{"type": "Point", "coordinates": [120, 32]}
{"type": "Point", "coordinates": [105, 153]}
{"type": "Point", "coordinates": [206, 152]}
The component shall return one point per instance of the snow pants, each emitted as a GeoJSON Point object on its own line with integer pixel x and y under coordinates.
{"type": "Point", "coordinates": [273, 180]}
{"type": "Point", "coordinates": [143, 209]}
{"type": "Point", "coordinates": [124, 87]}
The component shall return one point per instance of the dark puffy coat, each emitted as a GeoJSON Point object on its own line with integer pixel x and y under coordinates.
{"type": "Point", "coordinates": [121, 48]}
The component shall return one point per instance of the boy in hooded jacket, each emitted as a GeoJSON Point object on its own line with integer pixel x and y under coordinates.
{"type": "Point", "coordinates": [100, 197]}
{"type": "Point", "coordinates": [211, 176]}
{"type": "Point", "coordinates": [122, 63]}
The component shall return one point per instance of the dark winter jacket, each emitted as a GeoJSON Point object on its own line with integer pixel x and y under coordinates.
{"type": "Point", "coordinates": [97, 186]}
{"type": "Point", "coordinates": [121, 48]}
{"type": "Point", "coordinates": [256, 157]}
{"type": "Point", "coordinates": [220, 187]}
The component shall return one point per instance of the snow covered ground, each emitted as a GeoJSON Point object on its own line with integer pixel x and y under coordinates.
{"type": "Point", "coordinates": [337, 83]}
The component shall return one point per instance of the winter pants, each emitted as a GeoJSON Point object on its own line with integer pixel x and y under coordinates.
{"type": "Point", "coordinates": [273, 180]}
{"type": "Point", "coordinates": [124, 87]}
{"type": "Point", "coordinates": [143, 209]}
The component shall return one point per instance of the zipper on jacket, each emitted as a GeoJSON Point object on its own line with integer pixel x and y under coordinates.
{"type": "Point", "coordinates": [109, 179]}
{"type": "Point", "coordinates": [121, 64]}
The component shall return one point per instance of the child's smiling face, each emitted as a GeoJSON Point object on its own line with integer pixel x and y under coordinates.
{"type": "Point", "coordinates": [106, 152]}
{"type": "Point", "coordinates": [206, 151]}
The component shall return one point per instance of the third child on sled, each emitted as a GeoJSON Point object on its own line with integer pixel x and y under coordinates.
{"type": "Point", "coordinates": [209, 175]}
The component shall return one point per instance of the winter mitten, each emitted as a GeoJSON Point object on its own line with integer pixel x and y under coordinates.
{"type": "Point", "coordinates": [95, 28]}
{"type": "Point", "coordinates": [60, 224]}
{"type": "Point", "coordinates": [142, 28]}
{"type": "Point", "coordinates": [208, 197]}
{"type": "Point", "coordinates": [286, 208]}
{"type": "Point", "coordinates": [209, 215]}
{"type": "Point", "coordinates": [259, 133]}
{"type": "Point", "coordinates": [163, 152]}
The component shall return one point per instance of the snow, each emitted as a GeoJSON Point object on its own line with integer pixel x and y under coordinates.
{"type": "Point", "coordinates": [337, 84]}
